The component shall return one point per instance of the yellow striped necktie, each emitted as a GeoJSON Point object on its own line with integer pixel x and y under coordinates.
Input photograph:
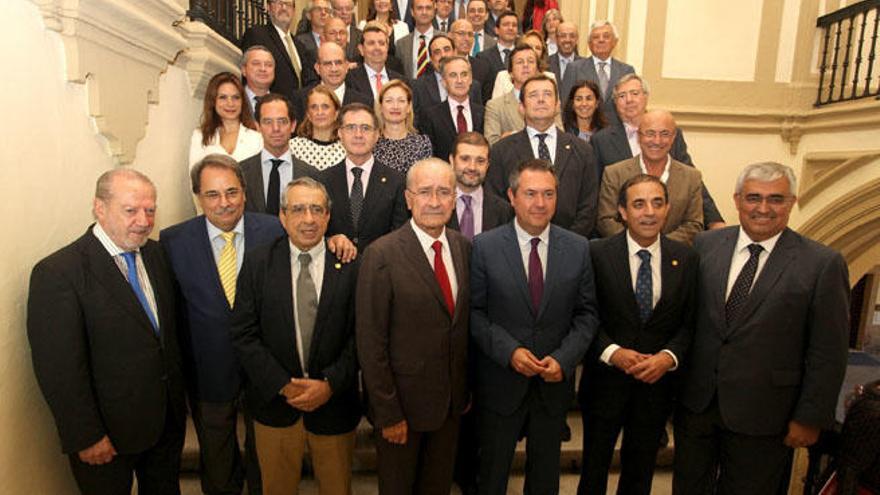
{"type": "Point", "coordinates": [226, 266]}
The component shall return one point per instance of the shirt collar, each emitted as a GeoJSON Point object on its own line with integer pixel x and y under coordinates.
{"type": "Point", "coordinates": [265, 156]}
{"type": "Point", "coordinates": [524, 238]}
{"type": "Point", "coordinates": [477, 195]}
{"type": "Point", "coordinates": [743, 241]}
{"type": "Point", "coordinates": [281, 33]}
{"type": "Point", "coordinates": [215, 232]}
{"type": "Point", "coordinates": [551, 132]}
{"type": "Point", "coordinates": [366, 167]}
{"type": "Point", "coordinates": [425, 239]}
{"type": "Point", "coordinates": [665, 175]}
{"type": "Point", "coordinates": [597, 61]}
{"type": "Point", "coordinates": [634, 247]}
{"type": "Point", "coordinates": [106, 241]}
{"type": "Point", "coordinates": [317, 251]}
{"type": "Point", "coordinates": [453, 105]}
{"type": "Point", "coordinates": [428, 34]}
{"type": "Point", "coordinates": [371, 74]}
{"type": "Point", "coordinates": [568, 59]}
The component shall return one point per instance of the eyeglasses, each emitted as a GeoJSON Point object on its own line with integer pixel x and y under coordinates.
{"type": "Point", "coordinates": [352, 128]}
{"type": "Point", "coordinates": [654, 134]}
{"type": "Point", "coordinates": [771, 199]}
{"type": "Point", "coordinates": [428, 192]}
{"type": "Point", "coordinates": [299, 210]}
{"type": "Point", "coordinates": [331, 63]}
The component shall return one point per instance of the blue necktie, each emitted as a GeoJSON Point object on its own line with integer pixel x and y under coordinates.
{"type": "Point", "coordinates": [644, 283]}
{"type": "Point", "coordinates": [136, 287]}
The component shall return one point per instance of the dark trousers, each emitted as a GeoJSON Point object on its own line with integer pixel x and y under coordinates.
{"type": "Point", "coordinates": [499, 435]}
{"type": "Point", "coordinates": [642, 417]}
{"type": "Point", "coordinates": [222, 471]}
{"type": "Point", "coordinates": [467, 456]}
{"type": "Point", "coordinates": [423, 465]}
{"type": "Point", "coordinates": [710, 458]}
{"type": "Point", "coordinates": [157, 468]}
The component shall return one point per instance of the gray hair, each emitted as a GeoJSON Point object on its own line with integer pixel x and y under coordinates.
{"type": "Point", "coordinates": [103, 187]}
{"type": "Point", "coordinates": [253, 48]}
{"type": "Point", "coordinates": [425, 163]}
{"type": "Point", "coordinates": [452, 58]}
{"type": "Point", "coordinates": [305, 182]}
{"type": "Point", "coordinates": [217, 160]}
{"type": "Point", "coordinates": [602, 23]}
{"type": "Point", "coordinates": [632, 77]}
{"type": "Point", "coordinates": [767, 172]}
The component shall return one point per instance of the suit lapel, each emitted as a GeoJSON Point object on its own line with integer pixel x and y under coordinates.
{"type": "Point", "coordinates": [670, 275]}
{"type": "Point", "coordinates": [332, 272]}
{"type": "Point", "coordinates": [618, 135]}
{"type": "Point", "coordinates": [459, 260]}
{"type": "Point", "coordinates": [279, 43]}
{"type": "Point", "coordinates": [282, 286]}
{"type": "Point", "coordinates": [418, 260]}
{"type": "Point", "coordinates": [338, 184]}
{"type": "Point", "coordinates": [433, 86]}
{"type": "Point", "coordinates": [719, 270]}
{"type": "Point", "coordinates": [253, 175]}
{"type": "Point", "coordinates": [553, 270]}
{"type": "Point", "coordinates": [619, 258]}
{"type": "Point", "coordinates": [563, 152]}
{"type": "Point", "coordinates": [512, 253]}
{"type": "Point", "coordinates": [375, 189]}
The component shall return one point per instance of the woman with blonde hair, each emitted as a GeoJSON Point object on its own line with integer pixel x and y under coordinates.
{"type": "Point", "coordinates": [400, 145]}
{"type": "Point", "coordinates": [551, 21]}
{"type": "Point", "coordinates": [317, 142]}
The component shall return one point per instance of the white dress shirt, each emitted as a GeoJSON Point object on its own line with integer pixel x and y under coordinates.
{"type": "Point", "coordinates": [563, 64]}
{"type": "Point", "coordinates": [285, 170]}
{"type": "Point", "coordinates": [316, 270]}
{"type": "Point", "coordinates": [632, 137]}
{"type": "Point", "coordinates": [524, 239]}
{"type": "Point", "coordinates": [741, 256]}
{"type": "Point", "coordinates": [453, 111]}
{"type": "Point", "coordinates": [215, 236]}
{"type": "Point", "coordinates": [248, 143]}
{"type": "Point", "coordinates": [664, 176]}
{"type": "Point", "coordinates": [367, 168]}
{"type": "Point", "coordinates": [476, 207]}
{"type": "Point", "coordinates": [427, 243]}
{"type": "Point", "coordinates": [550, 140]}
{"type": "Point", "coordinates": [116, 253]}
{"type": "Point", "coordinates": [371, 77]}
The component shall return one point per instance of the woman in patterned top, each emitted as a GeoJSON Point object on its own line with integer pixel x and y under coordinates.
{"type": "Point", "coordinates": [399, 145]}
{"type": "Point", "coordinates": [317, 142]}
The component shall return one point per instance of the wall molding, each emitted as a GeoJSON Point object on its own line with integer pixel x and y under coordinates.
{"type": "Point", "coordinates": [822, 170]}
{"type": "Point", "coordinates": [207, 53]}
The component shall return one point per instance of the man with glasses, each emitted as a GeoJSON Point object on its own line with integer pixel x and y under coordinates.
{"type": "Point", "coordinates": [684, 184]}
{"type": "Point", "coordinates": [430, 90]}
{"type": "Point", "coordinates": [206, 253]}
{"type": "Point", "coordinates": [317, 13]}
{"type": "Point", "coordinates": [332, 69]}
{"type": "Point", "coordinates": [276, 36]}
{"type": "Point", "coordinates": [344, 10]}
{"type": "Point", "coordinates": [769, 350]}
{"type": "Point", "coordinates": [367, 195]}
{"type": "Point", "coordinates": [412, 337]}
{"type": "Point", "coordinates": [620, 141]}
{"type": "Point", "coordinates": [293, 332]}
{"type": "Point", "coordinates": [566, 41]}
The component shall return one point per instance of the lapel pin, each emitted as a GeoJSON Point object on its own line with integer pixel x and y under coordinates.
{"type": "Point", "coordinates": [338, 266]}
{"type": "Point", "coordinates": [674, 262]}
{"type": "Point", "coordinates": [383, 179]}
{"type": "Point", "coordinates": [568, 146]}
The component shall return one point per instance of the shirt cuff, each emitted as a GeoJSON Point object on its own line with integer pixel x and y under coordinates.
{"type": "Point", "coordinates": [674, 359]}
{"type": "Point", "coordinates": [605, 357]}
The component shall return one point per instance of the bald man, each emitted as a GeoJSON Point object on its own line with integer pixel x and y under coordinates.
{"type": "Point", "coordinates": [566, 42]}
{"type": "Point", "coordinates": [332, 69]}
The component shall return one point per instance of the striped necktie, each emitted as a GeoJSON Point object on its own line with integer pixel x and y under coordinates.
{"type": "Point", "coordinates": [422, 58]}
{"type": "Point", "coordinates": [226, 267]}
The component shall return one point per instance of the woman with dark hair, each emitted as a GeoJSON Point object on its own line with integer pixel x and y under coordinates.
{"type": "Point", "coordinates": [399, 145]}
{"type": "Point", "coordinates": [227, 126]}
{"type": "Point", "coordinates": [381, 11]}
{"type": "Point", "coordinates": [552, 19]}
{"type": "Point", "coordinates": [316, 141]}
{"type": "Point", "coordinates": [582, 115]}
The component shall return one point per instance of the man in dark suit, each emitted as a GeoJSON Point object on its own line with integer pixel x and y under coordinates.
{"type": "Point", "coordinates": [416, 381]}
{"type": "Point", "coordinates": [408, 49]}
{"type": "Point", "coordinates": [770, 347]}
{"type": "Point", "coordinates": [476, 210]}
{"type": "Point", "coordinates": [307, 43]}
{"type": "Point", "coordinates": [275, 165]}
{"type": "Point", "coordinates": [205, 254]}
{"type": "Point", "coordinates": [367, 196]}
{"type": "Point", "coordinates": [276, 36]}
{"type": "Point", "coordinates": [101, 325]}
{"type": "Point", "coordinates": [566, 41]}
{"type": "Point", "coordinates": [429, 90]}
{"type": "Point", "coordinates": [369, 77]}
{"type": "Point", "coordinates": [477, 14]}
{"type": "Point", "coordinates": [600, 68]}
{"type": "Point", "coordinates": [444, 15]}
{"type": "Point", "coordinates": [456, 114]}
{"type": "Point", "coordinates": [462, 35]}
{"type": "Point", "coordinates": [646, 289]}
{"type": "Point", "coordinates": [498, 54]}
{"type": "Point", "coordinates": [620, 141]}
{"type": "Point", "coordinates": [344, 10]}
{"type": "Point", "coordinates": [258, 71]}
{"type": "Point", "coordinates": [533, 318]}
{"type": "Point", "coordinates": [293, 331]}
{"type": "Point", "coordinates": [571, 157]}
{"type": "Point", "coordinates": [332, 71]}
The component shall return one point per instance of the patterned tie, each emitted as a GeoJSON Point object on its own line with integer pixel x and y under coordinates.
{"type": "Point", "coordinates": [644, 286]}
{"type": "Point", "coordinates": [466, 226]}
{"type": "Point", "coordinates": [476, 48]}
{"type": "Point", "coordinates": [536, 276]}
{"type": "Point", "coordinates": [443, 277]}
{"type": "Point", "coordinates": [135, 283]}
{"type": "Point", "coordinates": [226, 266]}
{"type": "Point", "coordinates": [603, 79]}
{"type": "Point", "coordinates": [291, 52]}
{"type": "Point", "coordinates": [273, 195]}
{"type": "Point", "coordinates": [505, 55]}
{"type": "Point", "coordinates": [422, 58]}
{"type": "Point", "coordinates": [357, 196]}
{"type": "Point", "coordinates": [460, 121]}
{"type": "Point", "coordinates": [543, 150]}
{"type": "Point", "coordinates": [306, 305]}
{"type": "Point", "coordinates": [443, 26]}
{"type": "Point", "coordinates": [743, 285]}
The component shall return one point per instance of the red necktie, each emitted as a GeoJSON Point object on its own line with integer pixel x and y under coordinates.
{"type": "Point", "coordinates": [378, 83]}
{"type": "Point", "coordinates": [442, 277]}
{"type": "Point", "coordinates": [460, 121]}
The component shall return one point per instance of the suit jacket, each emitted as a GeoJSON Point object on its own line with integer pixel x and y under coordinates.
{"type": "Point", "coordinates": [286, 80]}
{"type": "Point", "coordinates": [384, 208]}
{"type": "Point", "coordinates": [407, 16]}
{"type": "Point", "coordinates": [417, 376]}
{"type": "Point", "coordinates": [556, 69]}
{"type": "Point", "coordinates": [213, 372]}
{"type": "Point", "coordinates": [578, 188]}
{"type": "Point", "coordinates": [611, 146]}
{"type": "Point", "coordinates": [355, 38]}
{"type": "Point", "coordinates": [669, 327]}
{"type": "Point", "coordinates": [502, 116]}
{"type": "Point", "coordinates": [784, 357]}
{"type": "Point", "coordinates": [403, 51]}
{"type": "Point", "coordinates": [351, 96]}
{"type": "Point", "coordinates": [426, 94]}
{"type": "Point", "coordinates": [263, 333]}
{"type": "Point", "coordinates": [437, 123]}
{"type": "Point", "coordinates": [482, 73]}
{"type": "Point", "coordinates": [493, 59]}
{"type": "Point", "coordinates": [502, 317]}
{"type": "Point", "coordinates": [357, 80]}
{"type": "Point", "coordinates": [252, 169]}
{"type": "Point", "coordinates": [496, 212]}
{"type": "Point", "coordinates": [685, 216]}
{"type": "Point", "coordinates": [308, 54]}
{"type": "Point", "coordinates": [97, 359]}
{"type": "Point", "coordinates": [585, 69]}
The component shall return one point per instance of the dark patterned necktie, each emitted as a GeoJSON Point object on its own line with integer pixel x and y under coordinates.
{"type": "Point", "coordinates": [467, 218]}
{"type": "Point", "coordinates": [543, 150]}
{"type": "Point", "coordinates": [536, 276]}
{"type": "Point", "coordinates": [645, 286]}
{"type": "Point", "coordinates": [743, 285]}
{"type": "Point", "coordinates": [356, 198]}
{"type": "Point", "coordinates": [273, 195]}
{"type": "Point", "coordinates": [460, 121]}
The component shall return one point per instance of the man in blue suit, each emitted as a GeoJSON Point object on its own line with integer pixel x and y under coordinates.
{"type": "Point", "coordinates": [533, 316]}
{"type": "Point", "coordinates": [206, 253]}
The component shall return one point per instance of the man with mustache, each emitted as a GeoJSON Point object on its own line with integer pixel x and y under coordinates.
{"type": "Point", "coordinates": [684, 184]}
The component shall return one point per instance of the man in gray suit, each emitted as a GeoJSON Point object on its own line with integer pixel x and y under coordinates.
{"type": "Point", "coordinates": [600, 67]}
{"type": "Point", "coordinates": [409, 48]}
{"type": "Point", "coordinates": [770, 346]}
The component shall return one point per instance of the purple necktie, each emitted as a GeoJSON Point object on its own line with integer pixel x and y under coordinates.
{"type": "Point", "coordinates": [536, 276]}
{"type": "Point", "coordinates": [467, 218]}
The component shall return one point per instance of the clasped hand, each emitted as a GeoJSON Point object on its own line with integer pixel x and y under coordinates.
{"type": "Point", "coordinates": [527, 364]}
{"type": "Point", "coordinates": [306, 394]}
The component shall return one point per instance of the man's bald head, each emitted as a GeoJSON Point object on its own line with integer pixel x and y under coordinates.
{"type": "Point", "coordinates": [566, 38]}
{"type": "Point", "coordinates": [336, 31]}
{"type": "Point", "coordinates": [656, 134]}
{"type": "Point", "coordinates": [331, 65]}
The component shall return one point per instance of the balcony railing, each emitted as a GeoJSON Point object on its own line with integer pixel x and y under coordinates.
{"type": "Point", "coordinates": [229, 18]}
{"type": "Point", "coordinates": [849, 49]}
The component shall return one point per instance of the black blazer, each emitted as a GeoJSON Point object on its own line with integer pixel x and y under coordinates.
{"type": "Point", "coordinates": [286, 80]}
{"type": "Point", "coordinates": [99, 364]}
{"type": "Point", "coordinates": [357, 80]}
{"type": "Point", "coordinates": [263, 335]}
{"type": "Point", "coordinates": [577, 197]}
{"type": "Point", "coordinates": [308, 55]}
{"type": "Point", "coordinates": [384, 207]}
{"type": "Point", "coordinates": [611, 146]}
{"type": "Point", "coordinates": [252, 169]}
{"type": "Point", "coordinates": [496, 212]}
{"type": "Point", "coordinates": [437, 123]}
{"type": "Point", "coordinates": [483, 76]}
{"type": "Point", "coordinates": [426, 94]}
{"type": "Point", "coordinates": [492, 58]}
